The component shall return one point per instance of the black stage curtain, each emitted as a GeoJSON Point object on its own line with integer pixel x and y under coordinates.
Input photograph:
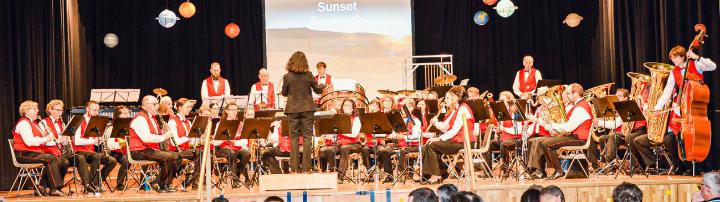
{"type": "Point", "coordinates": [490, 55]}
{"type": "Point", "coordinates": [646, 31]}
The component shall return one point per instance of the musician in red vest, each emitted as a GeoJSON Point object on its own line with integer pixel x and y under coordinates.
{"type": "Point", "coordinates": [611, 142]}
{"type": "Point", "coordinates": [180, 127]}
{"type": "Point", "coordinates": [29, 143]}
{"type": "Point", "coordinates": [117, 147]}
{"type": "Point", "coordinates": [452, 139]}
{"type": "Point", "coordinates": [145, 139]}
{"type": "Point", "coordinates": [696, 66]}
{"type": "Point", "coordinates": [346, 143]}
{"type": "Point", "coordinates": [574, 132]}
{"type": "Point", "coordinates": [526, 78]}
{"type": "Point", "coordinates": [408, 142]}
{"type": "Point", "coordinates": [53, 124]}
{"type": "Point", "coordinates": [86, 146]}
{"type": "Point", "coordinates": [215, 85]}
{"type": "Point", "coordinates": [236, 149]}
{"type": "Point", "coordinates": [262, 93]}
{"type": "Point", "coordinates": [322, 77]}
{"type": "Point", "coordinates": [280, 146]}
{"type": "Point", "coordinates": [510, 133]}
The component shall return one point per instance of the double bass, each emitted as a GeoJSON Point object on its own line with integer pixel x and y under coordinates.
{"type": "Point", "coordinates": [695, 135]}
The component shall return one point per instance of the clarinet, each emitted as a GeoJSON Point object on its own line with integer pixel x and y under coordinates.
{"type": "Point", "coordinates": [52, 136]}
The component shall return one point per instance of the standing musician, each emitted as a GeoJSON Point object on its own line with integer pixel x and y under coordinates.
{"type": "Point", "coordinates": [29, 141]}
{"type": "Point", "coordinates": [54, 126]}
{"type": "Point", "coordinates": [215, 85]}
{"type": "Point", "coordinates": [510, 132]}
{"type": "Point", "coordinates": [180, 128]}
{"type": "Point", "coordinates": [526, 78]}
{"type": "Point", "coordinates": [451, 141]}
{"type": "Point", "coordinates": [236, 149]}
{"type": "Point", "coordinates": [85, 146]}
{"type": "Point", "coordinates": [696, 66]}
{"type": "Point", "coordinates": [323, 77]}
{"type": "Point", "coordinates": [262, 93]}
{"type": "Point", "coordinates": [574, 132]}
{"type": "Point", "coordinates": [117, 147]}
{"type": "Point", "coordinates": [297, 86]}
{"type": "Point", "coordinates": [145, 139]}
{"type": "Point", "coordinates": [280, 147]}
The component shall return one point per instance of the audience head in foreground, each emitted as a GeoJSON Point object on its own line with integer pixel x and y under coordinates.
{"type": "Point", "coordinates": [552, 193]}
{"type": "Point", "coordinates": [422, 195]}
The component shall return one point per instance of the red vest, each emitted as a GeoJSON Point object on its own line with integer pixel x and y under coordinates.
{"type": "Point", "coordinates": [182, 132]}
{"type": "Point", "coordinates": [583, 130]}
{"type": "Point", "coordinates": [270, 95]}
{"type": "Point", "coordinates": [53, 150]}
{"type": "Point", "coordinates": [459, 137]}
{"type": "Point", "coordinates": [527, 84]}
{"type": "Point", "coordinates": [84, 148]}
{"type": "Point", "coordinates": [677, 73]}
{"type": "Point", "coordinates": [228, 144]}
{"type": "Point", "coordinates": [211, 88]}
{"type": "Point", "coordinates": [284, 142]}
{"type": "Point", "coordinates": [505, 135]}
{"type": "Point", "coordinates": [135, 142]}
{"type": "Point", "coordinates": [20, 145]}
{"type": "Point", "coordinates": [328, 79]}
{"type": "Point", "coordinates": [542, 132]}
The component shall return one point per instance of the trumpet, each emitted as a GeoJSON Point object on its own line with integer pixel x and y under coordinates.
{"type": "Point", "coordinates": [487, 95]}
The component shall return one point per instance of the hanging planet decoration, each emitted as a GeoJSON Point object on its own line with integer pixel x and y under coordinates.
{"type": "Point", "coordinates": [572, 20]}
{"type": "Point", "coordinates": [481, 18]}
{"type": "Point", "coordinates": [167, 18]}
{"type": "Point", "coordinates": [505, 8]}
{"type": "Point", "coordinates": [187, 9]}
{"type": "Point", "coordinates": [232, 30]}
{"type": "Point", "coordinates": [110, 40]}
{"type": "Point", "coordinates": [489, 2]}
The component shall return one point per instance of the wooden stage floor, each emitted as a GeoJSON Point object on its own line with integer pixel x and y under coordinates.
{"type": "Point", "coordinates": [655, 188]}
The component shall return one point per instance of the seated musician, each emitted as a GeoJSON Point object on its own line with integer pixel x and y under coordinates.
{"type": "Point", "coordinates": [29, 143]}
{"type": "Point", "coordinates": [214, 111]}
{"type": "Point", "coordinates": [237, 149]}
{"type": "Point", "coordinates": [451, 141]}
{"type": "Point", "coordinates": [346, 143]}
{"type": "Point", "coordinates": [384, 151]}
{"type": "Point", "coordinates": [262, 93]}
{"type": "Point", "coordinates": [198, 146]}
{"type": "Point", "coordinates": [117, 147]}
{"type": "Point", "coordinates": [86, 146]}
{"type": "Point", "coordinates": [180, 127]}
{"type": "Point", "coordinates": [536, 160]}
{"type": "Point", "coordinates": [696, 66]}
{"type": "Point", "coordinates": [54, 126]}
{"type": "Point", "coordinates": [409, 142]}
{"type": "Point", "coordinates": [280, 147]}
{"type": "Point", "coordinates": [166, 107]}
{"type": "Point", "coordinates": [574, 132]}
{"type": "Point", "coordinates": [145, 139]}
{"type": "Point", "coordinates": [615, 139]}
{"type": "Point", "coordinates": [510, 132]}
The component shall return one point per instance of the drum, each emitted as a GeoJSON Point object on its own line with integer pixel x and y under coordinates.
{"type": "Point", "coordinates": [331, 98]}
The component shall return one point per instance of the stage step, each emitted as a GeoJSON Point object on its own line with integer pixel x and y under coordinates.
{"type": "Point", "coordinates": [298, 181]}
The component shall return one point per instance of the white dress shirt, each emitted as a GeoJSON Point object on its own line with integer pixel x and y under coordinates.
{"type": "Point", "coordinates": [578, 116]}
{"type": "Point", "coordinates": [141, 128]}
{"type": "Point", "coordinates": [24, 128]}
{"type": "Point", "coordinates": [173, 128]}
{"type": "Point", "coordinates": [258, 96]}
{"type": "Point", "coordinates": [452, 129]}
{"type": "Point", "coordinates": [79, 140]}
{"type": "Point", "coordinates": [216, 83]}
{"type": "Point", "coordinates": [702, 65]}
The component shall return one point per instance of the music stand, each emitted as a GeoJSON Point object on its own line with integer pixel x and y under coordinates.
{"type": "Point", "coordinates": [96, 128]}
{"type": "Point", "coordinates": [338, 124]}
{"type": "Point", "coordinates": [478, 110]}
{"type": "Point", "coordinates": [227, 129]}
{"type": "Point", "coordinates": [198, 127]}
{"type": "Point", "coordinates": [121, 128]}
{"type": "Point", "coordinates": [73, 125]}
{"type": "Point", "coordinates": [396, 121]}
{"type": "Point", "coordinates": [256, 128]}
{"type": "Point", "coordinates": [522, 105]}
{"type": "Point", "coordinates": [433, 128]}
{"type": "Point", "coordinates": [375, 123]}
{"type": "Point", "coordinates": [548, 83]}
{"type": "Point", "coordinates": [270, 113]}
{"type": "Point", "coordinates": [603, 107]}
{"type": "Point", "coordinates": [441, 90]}
{"type": "Point", "coordinates": [629, 111]}
{"type": "Point", "coordinates": [115, 95]}
{"type": "Point", "coordinates": [500, 110]}
{"type": "Point", "coordinates": [432, 106]}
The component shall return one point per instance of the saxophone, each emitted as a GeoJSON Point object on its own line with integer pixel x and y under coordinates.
{"type": "Point", "coordinates": [657, 124]}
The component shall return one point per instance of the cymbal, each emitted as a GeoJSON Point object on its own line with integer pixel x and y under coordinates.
{"type": "Point", "coordinates": [387, 92]}
{"type": "Point", "coordinates": [406, 92]}
{"type": "Point", "coordinates": [445, 79]}
{"type": "Point", "coordinates": [159, 91]}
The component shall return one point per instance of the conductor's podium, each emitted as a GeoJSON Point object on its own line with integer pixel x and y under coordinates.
{"type": "Point", "coordinates": [276, 182]}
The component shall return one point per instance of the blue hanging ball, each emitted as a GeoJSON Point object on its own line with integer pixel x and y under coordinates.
{"type": "Point", "coordinates": [481, 18]}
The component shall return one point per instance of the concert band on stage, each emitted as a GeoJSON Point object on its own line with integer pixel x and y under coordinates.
{"type": "Point", "coordinates": [544, 121]}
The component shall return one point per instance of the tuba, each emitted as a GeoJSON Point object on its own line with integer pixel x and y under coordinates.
{"type": "Point", "coordinates": [638, 83]}
{"type": "Point", "coordinates": [597, 92]}
{"type": "Point", "coordinates": [657, 122]}
{"type": "Point", "coordinates": [555, 112]}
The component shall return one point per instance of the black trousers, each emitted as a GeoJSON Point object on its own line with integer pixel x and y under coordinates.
{"type": "Point", "coordinates": [403, 156]}
{"type": "Point", "coordinates": [237, 160]}
{"type": "Point", "coordinates": [122, 159]}
{"type": "Point", "coordinates": [184, 154]}
{"type": "Point", "coordinates": [51, 173]}
{"type": "Point", "coordinates": [593, 151]}
{"type": "Point", "coordinates": [384, 154]}
{"type": "Point", "coordinates": [268, 158]}
{"type": "Point", "coordinates": [95, 159]}
{"type": "Point", "coordinates": [504, 146]}
{"type": "Point", "coordinates": [165, 159]}
{"type": "Point", "coordinates": [301, 124]}
{"type": "Point", "coordinates": [536, 159]}
{"type": "Point", "coordinates": [81, 165]}
{"type": "Point", "coordinates": [432, 163]}
{"type": "Point", "coordinates": [614, 141]}
{"type": "Point", "coordinates": [643, 147]}
{"type": "Point", "coordinates": [345, 152]}
{"type": "Point", "coordinates": [551, 144]}
{"type": "Point", "coordinates": [326, 156]}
